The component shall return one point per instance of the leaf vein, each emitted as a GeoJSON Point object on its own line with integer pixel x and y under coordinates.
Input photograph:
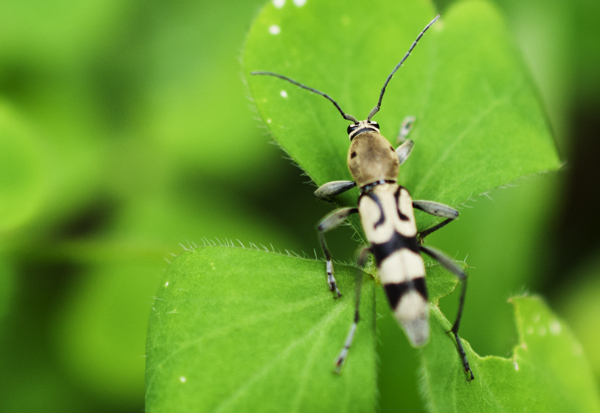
{"type": "Point", "coordinates": [153, 373]}
{"type": "Point", "coordinates": [325, 321]}
{"type": "Point", "coordinates": [431, 172]}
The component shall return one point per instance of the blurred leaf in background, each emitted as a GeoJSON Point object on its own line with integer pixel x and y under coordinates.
{"type": "Point", "coordinates": [581, 307]}
{"type": "Point", "coordinates": [22, 172]}
{"type": "Point", "coordinates": [124, 131]}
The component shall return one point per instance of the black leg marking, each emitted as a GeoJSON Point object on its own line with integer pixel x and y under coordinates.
{"type": "Point", "coordinates": [328, 223]}
{"type": "Point", "coordinates": [339, 361]}
{"type": "Point", "coordinates": [330, 278]}
{"type": "Point", "coordinates": [455, 327]}
{"type": "Point", "coordinates": [447, 263]}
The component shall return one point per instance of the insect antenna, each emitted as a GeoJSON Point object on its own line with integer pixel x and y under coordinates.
{"type": "Point", "coordinates": [378, 106]}
{"type": "Point", "coordinates": [326, 96]}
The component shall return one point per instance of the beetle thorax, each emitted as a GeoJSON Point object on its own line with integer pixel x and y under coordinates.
{"type": "Point", "coordinates": [371, 158]}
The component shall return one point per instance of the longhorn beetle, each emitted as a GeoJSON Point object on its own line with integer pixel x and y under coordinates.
{"type": "Point", "coordinates": [386, 211]}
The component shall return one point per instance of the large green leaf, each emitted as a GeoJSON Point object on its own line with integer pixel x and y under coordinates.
{"type": "Point", "coordinates": [244, 330]}
{"type": "Point", "coordinates": [479, 122]}
{"type": "Point", "coordinates": [230, 323]}
{"type": "Point", "coordinates": [221, 337]}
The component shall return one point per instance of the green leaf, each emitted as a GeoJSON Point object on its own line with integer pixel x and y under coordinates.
{"type": "Point", "coordinates": [581, 308]}
{"type": "Point", "coordinates": [221, 337]}
{"type": "Point", "coordinates": [547, 371]}
{"type": "Point", "coordinates": [479, 121]}
{"type": "Point", "coordinates": [227, 326]}
{"type": "Point", "coordinates": [245, 330]}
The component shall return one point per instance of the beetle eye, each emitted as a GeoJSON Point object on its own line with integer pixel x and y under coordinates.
{"type": "Point", "coordinates": [373, 123]}
{"type": "Point", "coordinates": [352, 128]}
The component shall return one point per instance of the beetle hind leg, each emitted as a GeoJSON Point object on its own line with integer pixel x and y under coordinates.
{"type": "Point", "coordinates": [455, 327]}
{"type": "Point", "coordinates": [449, 264]}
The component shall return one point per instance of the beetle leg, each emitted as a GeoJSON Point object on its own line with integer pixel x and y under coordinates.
{"type": "Point", "coordinates": [339, 361]}
{"type": "Point", "coordinates": [331, 221]}
{"type": "Point", "coordinates": [405, 128]}
{"type": "Point", "coordinates": [449, 264]}
{"type": "Point", "coordinates": [438, 210]}
{"type": "Point", "coordinates": [404, 150]}
{"type": "Point", "coordinates": [333, 188]}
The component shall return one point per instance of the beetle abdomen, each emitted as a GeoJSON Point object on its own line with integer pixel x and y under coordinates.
{"type": "Point", "coordinates": [388, 221]}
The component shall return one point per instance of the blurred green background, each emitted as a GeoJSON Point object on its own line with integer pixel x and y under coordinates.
{"type": "Point", "coordinates": [125, 130]}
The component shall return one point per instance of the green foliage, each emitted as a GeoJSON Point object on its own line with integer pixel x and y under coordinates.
{"type": "Point", "coordinates": [245, 330]}
{"type": "Point", "coordinates": [97, 337]}
{"type": "Point", "coordinates": [125, 131]}
{"type": "Point", "coordinates": [21, 172]}
{"type": "Point", "coordinates": [480, 126]}
{"type": "Point", "coordinates": [475, 106]}
{"type": "Point", "coordinates": [581, 308]}
{"type": "Point", "coordinates": [213, 346]}
{"type": "Point", "coordinates": [7, 281]}
{"type": "Point", "coordinates": [546, 372]}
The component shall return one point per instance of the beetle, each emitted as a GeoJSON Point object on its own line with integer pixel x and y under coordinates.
{"type": "Point", "coordinates": [386, 211]}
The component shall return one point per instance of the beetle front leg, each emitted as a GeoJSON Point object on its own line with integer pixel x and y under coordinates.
{"type": "Point", "coordinates": [405, 128]}
{"type": "Point", "coordinates": [333, 188]}
{"type": "Point", "coordinates": [404, 150]}
{"type": "Point", "coordinates": [331, 221]}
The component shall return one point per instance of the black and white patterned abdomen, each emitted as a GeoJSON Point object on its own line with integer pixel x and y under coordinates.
{"type": "Point", "coordinates": [388, 220]}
